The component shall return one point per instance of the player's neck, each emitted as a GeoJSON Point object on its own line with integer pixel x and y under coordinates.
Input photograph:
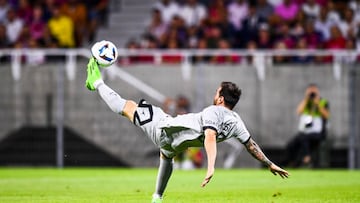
{"type": "Point", "coordinates": [223, 105]}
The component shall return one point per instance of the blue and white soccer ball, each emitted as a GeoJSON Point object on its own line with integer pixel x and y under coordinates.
{"type": "Point", "coordinates": [105, 53]}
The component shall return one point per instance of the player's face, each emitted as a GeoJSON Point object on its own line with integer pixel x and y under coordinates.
{"type": "Point", "coordinates": [217, 96]}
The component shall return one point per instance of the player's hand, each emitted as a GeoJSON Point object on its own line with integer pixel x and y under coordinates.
{"type": "Point", "coordinates": [277, 170]}
{"type": "Point", "coordinates": [208, 177]}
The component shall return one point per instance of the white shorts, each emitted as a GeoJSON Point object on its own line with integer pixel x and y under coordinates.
{"type": "Point", "coordinates": [149, 118]}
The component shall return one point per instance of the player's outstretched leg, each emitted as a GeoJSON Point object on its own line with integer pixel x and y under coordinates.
{"type": "Point", "coordinates": [112, 99]}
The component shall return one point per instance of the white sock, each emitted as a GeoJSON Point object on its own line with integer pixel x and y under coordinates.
{"type": "Point", "coordinates": [155, 196]}
{"type": "Point", "coordinates": [111, 98]}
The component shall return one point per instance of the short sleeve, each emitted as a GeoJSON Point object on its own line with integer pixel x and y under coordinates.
{"type": "Point", "coordinates": [241, 132]}
{"type": "Point", "coordinates": [211, 118]}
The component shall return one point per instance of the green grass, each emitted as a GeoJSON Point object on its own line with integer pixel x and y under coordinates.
{"type": "Point", "coordinates": [136, 185]}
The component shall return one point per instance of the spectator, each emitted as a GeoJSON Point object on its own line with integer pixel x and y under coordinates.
{"type": "Point", "coordinates": [323, 24]}
{"type": "Point", "coordinates": [355, 6]}
{"type": "Point", "coordinates": [172, 58]}
{"type": "Point", "coordinates": [37, 25]}
{"type": "Point", "coordinates": [48, 6]}
{"type": "Point", "coordinates": [314, 113]}
{"type": "Point", "coordinates": [172, 44]}
{"type": "Point", "coordinates": [97, 16]}
{"type": "Point", "coordinates": [14, 26]}
{"type": "Point", "coordinates": [132, 46]}
{"type": "Point", "coordinates": [264, 38]}
{"type": "Point", "coordinates": [177, 31]}
{"type": "Point", "coordinates": [147, 42]}
{"type": "Point", "coordinates": [225, 59]}
{"type": "Point", "coordinates": [303, 58]}
{"type": "Point", "coordinates": [284, 35]}
{"type": "Point", "coordinates": [313, 38]}
{"type": "Point", "coordinates": [157, 28]}
{"type": "Point", "coordinates": [250, 26]}
{"type": "Point", "coordinates": [233, 154]}
{"type": "Point", "coordinates": [62, 28]}
{"type": "Point", "coordinates": [264, 9]}
{"type": "Point", "coordinates": [217, 12]}
{"type": "Point", "coordinates": [3, 37]}
{"type": "Point", "coordinates": [193, 37]}
{"type": "Point", "coordinates": [336, 41]}
{"type": "Point", "coordinates": [287, 11]}
{"type": "Point", "coordinates": [25, 11]}
{"type": "Point", "coordinates": [350, 46]}
{"type": "Point", "coordinates": [4, 8]}
{"type": "Point", "coordinates": [194, 158]}
{"type": "Point", "coordinates": [298, 29]}
{"type": "Point", "coordinates": [311, 9]}
{"type": "Point", "coordinates": [193, 13]}
{"type": "Point", "coordinates": [202, 45]}
{"type": "Point", "coordinates": [301, 18]}
{"type": "Point", "coordinates": [76, 10]}
{"type": "Point", "coordinates": [349, 26]}
{"type": "Point", "coordinates": [213, 36]}
{"type": "Point", "coordinates": [168, 10]}
{"type": "Point", "coordinates": [24, 38]}
{"type": "Point", "coordinates": [280, 59]}
{"type": "Point", "coordinates": [35, 57]}
{"type": "Point", "coordinates": [251, 46]}
{"type": "Point", "coordinates": [333, 14]}
{"type": "Point", "coordinates": [49, 41]}
{"type": "Point", "coordinates": [237, 11]}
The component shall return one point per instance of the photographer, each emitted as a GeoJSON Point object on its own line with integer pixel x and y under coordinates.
{"type": "Point", "coordinates": [314, 113]}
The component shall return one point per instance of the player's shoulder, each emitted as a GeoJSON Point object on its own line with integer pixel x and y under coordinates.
{"type": "Point", "coordinates": [219, 110]}
{"type": "Point", "coordinates": [211, 107]}
{"type": "Point", "coordinates": [214, 108]}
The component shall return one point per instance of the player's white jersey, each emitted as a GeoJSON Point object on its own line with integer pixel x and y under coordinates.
{"type": "Point", "coordinates": [175, 134]}
{"type": "Point", "coordinates": [188, 130]}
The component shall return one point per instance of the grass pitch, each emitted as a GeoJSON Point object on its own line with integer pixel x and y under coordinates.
{"type": "Point", "coordinates": [137, 185]}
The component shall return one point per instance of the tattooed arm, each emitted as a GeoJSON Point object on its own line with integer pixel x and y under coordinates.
{"type": "Point", "coordinates": [257, 153]}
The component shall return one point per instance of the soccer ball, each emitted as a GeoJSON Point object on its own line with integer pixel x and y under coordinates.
{"type": "Point", "coordinates": [105, 53]}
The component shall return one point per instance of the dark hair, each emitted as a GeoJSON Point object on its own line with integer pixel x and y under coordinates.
{"type": "Point", "coordinates": [231, 93]}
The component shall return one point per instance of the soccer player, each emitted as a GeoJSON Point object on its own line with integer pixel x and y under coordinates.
{"type": "Point", "coordinates": [172, 135]}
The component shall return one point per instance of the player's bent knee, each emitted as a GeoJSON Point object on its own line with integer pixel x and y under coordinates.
{"type": "Point", "coordinates": [129, 109]}
{"type": "Point", "coordinates": [163, 156]}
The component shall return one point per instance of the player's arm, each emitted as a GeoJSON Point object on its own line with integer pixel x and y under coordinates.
{"type": "Point", "coordinates": [210, 148]}
{"type": "Point", "coordinates": [257, 153]}
{"type": "Point", "coordinates": [323, 109]}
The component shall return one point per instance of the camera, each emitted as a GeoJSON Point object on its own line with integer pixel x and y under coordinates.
{"type": "Point", "coordinates": [308, 121]}
{"type": "Point", "coordinates": [312, 95]}
{"type": "Point", "coordinates": [309, 124]}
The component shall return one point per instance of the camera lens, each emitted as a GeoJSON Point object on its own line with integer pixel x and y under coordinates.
{"type": "Point", "coordinates": [312, 95]}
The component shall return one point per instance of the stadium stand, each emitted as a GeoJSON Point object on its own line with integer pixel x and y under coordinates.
{"type": "Point", "coordinates": [39, 22]}
{"type": "Point", "coordinates": [300, 24]}
{"type": "Point", "coordinates": [312, 24]}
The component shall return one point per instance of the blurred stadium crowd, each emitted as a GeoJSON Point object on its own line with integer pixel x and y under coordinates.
{"type": "Point", "coordinates": [50, 23]}
{"type": "Point", "coordinates": [251, 24]}
{"type": "Point", "coordinates": [191, 24]}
